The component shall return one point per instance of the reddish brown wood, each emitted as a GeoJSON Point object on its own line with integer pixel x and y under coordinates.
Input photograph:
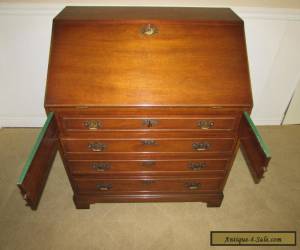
{"type": "Point", "coordinates": [34, 182]}
{"type": "Point", "coordinates": [213, 199]}
{"type": "Point", "coordinates": [147, 111]}
{"type": "Point", "coordinates": [230, 163]}
{"type": "Point", "coordinates": [154, 134]}
{"type": "Point", "coordinates": [147, 156]}
{"type": "Point", "coordinates": [113, 168]}
{"type": "Point", "coordinates": [159, 145]}
{"type": "Point", "coordinates": [256, 159]}
{"type": "Point", "coordinates": [139, 185]}
{"type": "Point", "coordinates": [217, 15]}
{"type": "Point", "coordinates": [134, 116]}
{"type": "Point", "coordinates": [66, 166]}
{"type": "Point", "coordinates": [103, 68]}
{"type": "Point", "coordinates": [80, 204]}
{"type": "Point", "coordinates": [216, 201]}
{"type": "Point", "coordinates": [106, 123]}
{"type": "Point", "coordinates": [113, 64]}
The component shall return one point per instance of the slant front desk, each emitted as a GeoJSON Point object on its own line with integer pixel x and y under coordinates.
{"type": "Point", "coordinates": [145, 104]}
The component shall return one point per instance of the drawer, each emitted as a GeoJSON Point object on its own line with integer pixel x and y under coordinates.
{"type": "Point", "coordinates": [147, 145]}
{"type": "Point", "coordinates": [147, 167]}
{"type": "Point", "coordinates": [147, 185]}
{"type": "Point", "coordinates": [94, 123]}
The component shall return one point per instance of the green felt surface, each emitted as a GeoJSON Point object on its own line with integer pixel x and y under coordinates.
{"type": "Point", "coordinates": [35, 148]}
{"type": "Point", "coordinates": [260, 140]}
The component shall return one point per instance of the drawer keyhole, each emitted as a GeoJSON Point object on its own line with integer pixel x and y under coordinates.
{"type": "Point", "coordinates": [149, 123]}
{"type": "Point", "coordinates": [148, 163]}
{"type": "Point", "coordinates": [148, 182]}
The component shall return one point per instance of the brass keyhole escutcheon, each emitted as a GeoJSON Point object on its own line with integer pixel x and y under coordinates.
{"type": "Point", "coordinates": [148, 182]}
{"type": "Point", "coordinates": [148, 163]}
{"type": "Point", "coordinates": [197, 165]}
{"type": "Point", "coordinates": [149, 123]}
{"type": "Point", "coordinates": [149, 30]}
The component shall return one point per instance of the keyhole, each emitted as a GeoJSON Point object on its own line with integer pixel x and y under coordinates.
{"type": "Point", "coordinates": [149, 123]}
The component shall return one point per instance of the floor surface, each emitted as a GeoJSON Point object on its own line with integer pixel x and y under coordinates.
{"type": "Point", "coordinates": [274, 204]}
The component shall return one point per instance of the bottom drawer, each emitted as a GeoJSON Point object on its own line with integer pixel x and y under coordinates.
{"type": "Point", "coordinates": [147, 185]}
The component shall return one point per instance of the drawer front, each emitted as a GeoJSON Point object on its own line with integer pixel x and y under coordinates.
{"type": "Point", "coordinates": [96, 123]}
{"type": "Point", "coordinates": [147, 185]}
{"type": "Point", "coordinates": [148, 145]}
{"type": "Point", "coordinates": [141, 167]}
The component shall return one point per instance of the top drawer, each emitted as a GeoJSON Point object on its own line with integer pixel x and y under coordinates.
{"type": "Point", "coordinates": [103, 123]}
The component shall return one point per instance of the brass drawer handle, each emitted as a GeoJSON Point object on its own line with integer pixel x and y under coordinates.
{"type": "Point", "coordinates": [97, 146]}
{"type": "Point", "coordinates": [92, 124]}
{"type": "Point", "coordinates": [149, 30]}
{"type": "Point", "coordinates": [149, 142]}
{"type": "Point", "coordinates": [103, 187]}
{"type": "Point", "coordinates": [197, 165]}
{"type": "Point", "coordinates": [149, 123]}
{"type": "Point", "coordinates": [101, 166]}
{"type": "Point", "coordinates": [200, 146]}
{"type": "Point", "coordinates": [205, 124]}
{"type": "Point", "coordinates": [148, 163]}
{"type": "Point", "coordinates": [192, 185]}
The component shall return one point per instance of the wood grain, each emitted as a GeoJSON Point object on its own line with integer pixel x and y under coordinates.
{"type": "Point", "coordinates": [159, 145]}
{"type": "Point", "coordinates": [148, 167]}
{"type": "Point", "coordinates": [147, 185]}
{"type": "Point", "coordinates": [113, 64]}
{"type": "Point", "coordinates": [34, 182]}
{"type": "Point", "coordinates": [104, 68]}
{"type": "Point", "coordinates": [217, 15]}
{"type": "Point", "coordinates": [218, 123]}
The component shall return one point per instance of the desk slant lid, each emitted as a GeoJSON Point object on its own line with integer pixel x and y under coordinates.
{"type": "Point", "coordinates": [134, 56]}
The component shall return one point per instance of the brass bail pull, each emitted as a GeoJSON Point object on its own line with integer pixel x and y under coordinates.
{"type": "Point", "coordinates": [92, 124]}
{"type": "Point", "coordinates": [205, 124]}
{"type": "Point", "coordinates": [149, 142]}
{"type": "Point", "coordinates": [200, 146]}
{"type": "Point", "coordinates": [97, 146]}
